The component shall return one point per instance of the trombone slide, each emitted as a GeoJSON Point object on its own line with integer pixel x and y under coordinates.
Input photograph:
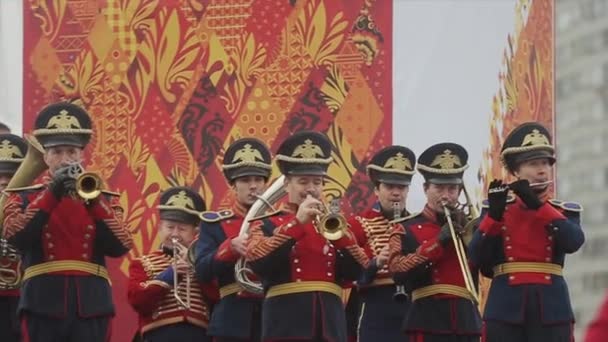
{"type": "Point", "coordinates": [462, 258]}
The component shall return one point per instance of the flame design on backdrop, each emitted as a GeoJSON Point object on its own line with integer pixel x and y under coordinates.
{"type": "Point", "coordinates": [526, 88]}
{"type": "Point", "coordinates": [170, 84]}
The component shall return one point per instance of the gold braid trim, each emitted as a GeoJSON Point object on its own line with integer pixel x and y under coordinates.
{"type": "Point", "coordinates": [382, 169]}
{"type": "Point", "coordinates": [281, 157]}
{"type": "Point", "coordinates": [47, 131]}
{"type": "Point", "coordinates": [247, 163]}
{"type": "Point", "coordinates": [421, 167]}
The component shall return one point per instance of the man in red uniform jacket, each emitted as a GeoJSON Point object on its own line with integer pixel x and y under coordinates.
{"type": "Point", "coordinates": [598, 328]}
{"type": "Point", "coordinates": [63, 239]}
{"type": "Point", "coordinates": [167, 314]}
{"type": "Point", "coordinates": [237, 316]}
{"type": "Point", "coordinates": [382, 311]}
{"type": "Point", "coordinates": [12, 152]}
{"type": "Point", "coordinates": [301, 269]}
{"type": "Point", "coordinates": [424, 258]}
{"type": "Point", "coordinates": [521, 243]}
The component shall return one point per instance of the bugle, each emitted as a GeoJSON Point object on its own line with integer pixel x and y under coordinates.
{"type": "Point", "coordinates": [462, 256]}
{"type": "Point", "coordinates": [176, 257]}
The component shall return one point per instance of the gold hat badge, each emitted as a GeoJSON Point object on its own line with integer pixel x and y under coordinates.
{"type": "Point", "coordinates": [8, 150]}
{"type": "Point", "coordinates": [181, 200]}
{"type": "Point", "coordinates": [247, 154]}
{"type": "Point", "coordinates": [535, 138]}
{"type": "Point", "coordinates": [308, 150]}
{"type": "Point", "coordinates": [447, 160]}
{"type": "Point", "coordinates": [63, 120]}
{"type": "Point", "coordinates": [398, 162]}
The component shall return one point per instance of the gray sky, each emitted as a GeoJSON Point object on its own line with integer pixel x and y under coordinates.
{"type": "Point", "coordinates": [446, 59]}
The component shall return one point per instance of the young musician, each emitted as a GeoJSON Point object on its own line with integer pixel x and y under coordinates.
{"type": "Point", "coordinates": [382, 310]}
{"type": "Point", "coordinates": [522, 242]}
{"type": "Point", "coordinates": [423, 255]}
{"type": "Point", "coordinates": [237, 316]}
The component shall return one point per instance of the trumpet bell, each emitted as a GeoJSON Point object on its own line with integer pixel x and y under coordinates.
{"type": "Point", "coordinates": [332, 226]}
{"type": "Point", "coordinates": [88, 185]}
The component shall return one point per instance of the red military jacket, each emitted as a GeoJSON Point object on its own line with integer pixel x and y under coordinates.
{"type": "Point", "coordinates": [302, 274]}
{"type": "Point", "coordinates": [419, 261]}
{"type": "Point", "coordinates": [62, 238]}
{"type": "Point", "coordinates": [154, 299]}
{"type": "Point", "coordinates": [372, 231]}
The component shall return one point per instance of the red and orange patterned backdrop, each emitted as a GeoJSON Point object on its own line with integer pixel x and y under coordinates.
{"type": "Point", "coordinates": [171, 83]}
{"type": "Point", "coordinates": [526, 86]}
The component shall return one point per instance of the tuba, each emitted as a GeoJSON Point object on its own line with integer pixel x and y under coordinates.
{"type": "Point", "coordinates": [31, 167]}
{"type": "Point", "coordinates": [242, 273]}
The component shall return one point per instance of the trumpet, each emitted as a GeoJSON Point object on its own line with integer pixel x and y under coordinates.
{"type": "Point", "coordinates": [462, 256]}
{"type": "Point", "coordinates": [331, 224]}
{"type": "Point", "coordinates": [400, 294]}
{"type": "Point", "coordinates": [88, 184]}
{"type": "Point", "coordinates": [176, 256]}
{"type": "Point", "coordinates": [532, 185]}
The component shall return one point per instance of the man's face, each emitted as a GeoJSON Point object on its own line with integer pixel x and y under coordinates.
{"type": "Point", "coordinates": [299, 187]}
{"type": "Point", "coordinates": [436, 194]}
{"type": "Point", "coordinates": [60, 156]}
{"type": "Point", "coordinates": [183, 232]}
{"type": "Point", "coordinates": [247, 189]}
{"type": "Point", "coordinates": [389, 194]}
{"type": "Point", "coordinates": [535, 171]}
{"type": "Point", "coordinates": [4, 179]}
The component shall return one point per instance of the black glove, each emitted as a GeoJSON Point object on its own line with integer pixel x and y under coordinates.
{"type": "Point", "coordinates": [497, 196]}
{"type": "Point", "coordinates": [62, 183]}
{"type": "Point", "coordinates": [523, 190]}
{"type": "Point", "coordinates": [445, 236]}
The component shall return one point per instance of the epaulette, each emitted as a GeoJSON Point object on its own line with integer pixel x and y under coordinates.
{"type": "Point", "coordinates": [215, 216]}
{"type": "Point", "coordinates": [25, 188]}
{"type": "Point", "coordinates": [486, 203]}
{"type": "Point", "coordinates": [110, 193]}
{"type": "Point", "coordinates": [408, 217]}
{"type": "Point", "coordinates": [264, 216]}
{"type": "Point", "coordinates": [569, 206]}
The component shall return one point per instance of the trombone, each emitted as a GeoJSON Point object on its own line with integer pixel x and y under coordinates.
{"type": "Point", "coordinates": [176, 256]}
{"type": "Point", "coordinates": [461, 254]}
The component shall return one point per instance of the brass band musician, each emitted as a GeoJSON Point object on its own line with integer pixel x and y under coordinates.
{"type": "Point", "coordinates": [381, 309]}
{"type": "Point", "coordinates": [172, 305]}
{"type": "Point", "coordinates": [302, 257]}
{"type": "Point", "coordinates": [424, 254]}
{"type": "Point", "coordinates": [12, 152]}
{"type": "Point", "coordinates": [64, 238]}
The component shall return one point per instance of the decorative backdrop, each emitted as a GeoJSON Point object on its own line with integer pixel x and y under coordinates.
{"type": "Point", "coordinates": [526, 87]}
{"type": "Point", "coordinates": [171, 83]}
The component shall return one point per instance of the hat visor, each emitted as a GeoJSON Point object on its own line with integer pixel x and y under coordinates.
{"type": "Point", "coordinates": [179, 216]}
{"type": "Point", "coordinates": [8, 168]}
{"type": "Point", "coordinates": [393, 179]}
{"type": "Point", "coordinates": [76, 140]}
{"type": "Point", "coordinates": [248, 171]}
{"type": "Point", "coordinates": [306, 169]}
{"type": "Point", "coordinates": [444, 180]}
{"type": "Point", "coordinates": [531, 155]}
